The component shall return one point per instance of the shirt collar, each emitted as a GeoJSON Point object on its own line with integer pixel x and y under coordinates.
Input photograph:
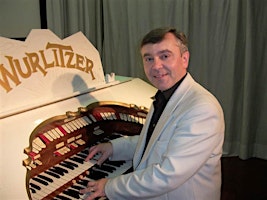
{"type": "Point", "coordinates": [169, 92]}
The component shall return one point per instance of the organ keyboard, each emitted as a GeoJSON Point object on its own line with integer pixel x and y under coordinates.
{"type": "Point", "coordinates": [59, 145]}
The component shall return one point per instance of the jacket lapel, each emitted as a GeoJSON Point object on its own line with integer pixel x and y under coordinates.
{"type": "Point", "coordinates": [163, 122]}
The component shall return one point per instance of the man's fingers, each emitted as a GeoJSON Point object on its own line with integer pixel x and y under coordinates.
{"type": "Point", "coordinates": [104, 148]}
{"type": "Point", "coordinates": [93, 195]}
{"type": "Point", "coordinates": [85, 190]}
{"type": "Point", "coordinates": [92, 151]}
{"type": "Point", "coordinates": [95, 189]}
{"type": "Point", "coordinates": [102, 159]}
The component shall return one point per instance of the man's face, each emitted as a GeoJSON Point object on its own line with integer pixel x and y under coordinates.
{"type": "Point", "coordinates": [163, 62]}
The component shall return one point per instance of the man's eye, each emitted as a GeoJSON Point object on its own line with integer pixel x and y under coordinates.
{"type": "Point", "coordinates": [149, 59]}
{"type": "Point", "coordinates": [164, 56]}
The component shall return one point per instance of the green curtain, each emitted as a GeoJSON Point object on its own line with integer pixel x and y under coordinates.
{"type": "Point", "coordinates": [227, 42]}
{"type": "Point", "coordinates": [66, 17]}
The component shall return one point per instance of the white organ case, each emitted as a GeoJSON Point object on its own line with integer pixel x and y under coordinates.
{"type": "Point", "coordinates": [28, 101]}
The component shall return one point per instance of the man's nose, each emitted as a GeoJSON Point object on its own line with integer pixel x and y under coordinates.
{"type": "Point", "coordinates": [157, 63]}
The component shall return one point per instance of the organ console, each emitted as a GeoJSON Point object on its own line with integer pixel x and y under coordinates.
{"type": "Point", "coordinates": [50, 116]}
{"type": "Point", "coordinates": [59, 145]}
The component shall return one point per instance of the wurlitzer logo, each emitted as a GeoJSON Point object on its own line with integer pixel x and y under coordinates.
{"type": "Point", "coordinates": [45, 69]}
{"type": "Point", "coordinates": [54, 55]}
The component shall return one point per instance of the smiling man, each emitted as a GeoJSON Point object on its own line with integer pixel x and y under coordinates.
{"type": "Point", "coordinates": [177, 155]}
{"type": "Point", "coordinates": [165, 62]}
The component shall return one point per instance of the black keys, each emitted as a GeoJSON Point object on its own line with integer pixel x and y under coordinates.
{"type": "Point", "coordinates": [45, 178]}
{"type": "Point", "coordinates": [95, 175]}
{"type": "Point", "coordinates": [40, 181]}
{"type": "Point", "coordinates": [35, 186]}
{"type": "Point", "coordinates": [32, 190]}
{"type": "Point", "coordinates": [77, 187]}
{"type": "Point", "coordinates": [77, 159]}
{"type": "Point", "coordinates": [70, 163]}
{"type": "Point", "coordinates": [83, 156]}
{"type": "Point", "coordinates": [83, 182]}
{"type": "Point", "coordinates": [115, 163]}
{"type": "Point", "coordinates": [62, 197]}
{"type": "Point", "coordinates": [85, 151]}
{"type": "Point", "coordinates": [58, 170]}
{"type": "Point", "coordinates": [72, 193]}
{"type": "Point", "coordinates": [67, 166]}
{"type": "Point", "coordinates": [64, 171]}
{"type": "Point", "coordinates": [52, 174]}
{"type": "Point", "coordinates": [104, 167]}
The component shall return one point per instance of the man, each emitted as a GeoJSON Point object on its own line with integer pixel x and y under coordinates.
{"type": "Point", "coordinates": [177, 155]}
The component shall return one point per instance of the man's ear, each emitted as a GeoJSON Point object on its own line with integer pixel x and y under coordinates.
{"type": "Point", "coordinates": [185, 58]}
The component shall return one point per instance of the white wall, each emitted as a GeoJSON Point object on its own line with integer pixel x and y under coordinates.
{"type": "Point", "coordinates": [18, 17]}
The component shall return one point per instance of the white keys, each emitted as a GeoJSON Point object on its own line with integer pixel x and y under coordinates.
{"type": "Point", "coordinates": [119, 170]}
{"type": "Point", "coordinates": [58, 182]}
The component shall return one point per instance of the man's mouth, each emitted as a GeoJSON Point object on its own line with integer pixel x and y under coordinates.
{"type": "Point", "coordinates": [159, 76]}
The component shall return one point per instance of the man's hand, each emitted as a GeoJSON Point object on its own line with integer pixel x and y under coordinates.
{"type": "Point", "coordinates": [95, 188]}
{"type": "Point", "coordinates": [105, 149]}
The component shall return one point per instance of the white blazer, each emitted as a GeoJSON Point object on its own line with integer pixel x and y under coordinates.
{"type": "Point", "coordinates": [182, 159]}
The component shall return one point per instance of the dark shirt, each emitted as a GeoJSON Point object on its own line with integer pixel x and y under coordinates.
{"type": "Point", "coordinates": [160, 101]}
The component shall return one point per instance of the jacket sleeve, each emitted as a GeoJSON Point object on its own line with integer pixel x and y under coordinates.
{"type": "Point", "coordinates": [124, 147]}
{"type": "Point", "coordinates": [189, 154]}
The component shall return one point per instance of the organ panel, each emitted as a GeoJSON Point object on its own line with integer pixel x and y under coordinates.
{"type": "Point", "coordinates": [58, 146]}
